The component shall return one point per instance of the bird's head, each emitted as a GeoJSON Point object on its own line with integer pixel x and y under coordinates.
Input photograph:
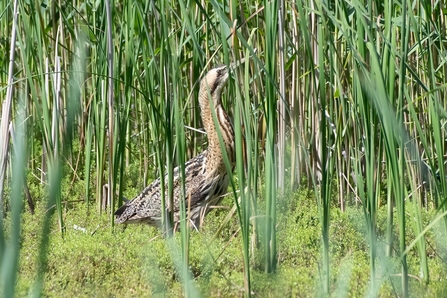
{"type": "Point", "coordinates": [215, 80]}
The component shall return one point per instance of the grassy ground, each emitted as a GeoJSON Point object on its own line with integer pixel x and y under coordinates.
{"type": "Point", "coordinates": [134, 261]}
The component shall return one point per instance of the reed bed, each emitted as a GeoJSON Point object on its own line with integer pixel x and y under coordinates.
{"type": "Point", "coordinates": [347, 98]}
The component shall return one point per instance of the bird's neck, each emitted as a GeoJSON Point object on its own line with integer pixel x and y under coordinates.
{"type": "Point", "coordinates": [222, 127]}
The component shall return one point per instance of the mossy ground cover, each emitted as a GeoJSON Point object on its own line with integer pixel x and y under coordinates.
{"type": "Point", "coordinates": [91, 259]}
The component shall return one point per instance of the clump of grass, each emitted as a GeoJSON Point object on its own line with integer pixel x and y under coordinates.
{"type": "Point", "coordinates": [88, 260]}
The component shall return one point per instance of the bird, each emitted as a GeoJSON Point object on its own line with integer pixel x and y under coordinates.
{"type": "Point", "coordinates": [206, 176]}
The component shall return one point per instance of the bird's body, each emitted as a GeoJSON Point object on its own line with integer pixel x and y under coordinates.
{"type": "Point", "coordinates": [206, 177]}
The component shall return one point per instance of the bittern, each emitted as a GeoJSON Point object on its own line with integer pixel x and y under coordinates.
{"type": "Point", "coordinates": [206, 175]}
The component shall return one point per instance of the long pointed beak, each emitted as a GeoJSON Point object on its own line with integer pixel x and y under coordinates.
{"type": "Point", "coordinates": [233, 65]}
{"type": "Point", "coordinates": [237, 63]}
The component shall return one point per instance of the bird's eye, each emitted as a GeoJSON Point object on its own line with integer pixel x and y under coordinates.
{"type": "Point", "coordinates": [220, 72]}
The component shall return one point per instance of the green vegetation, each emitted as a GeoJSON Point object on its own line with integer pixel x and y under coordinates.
{"type": "Point", "coordinates": [135, 261]}
{"type": "Point", "coordinates": [339, 113]}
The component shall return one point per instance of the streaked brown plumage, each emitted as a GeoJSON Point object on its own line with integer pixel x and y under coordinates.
{"type": "Point", "coordinates": [206, 176]}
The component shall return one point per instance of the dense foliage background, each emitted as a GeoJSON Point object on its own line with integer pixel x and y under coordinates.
{"type": "Point", "coordinates": [343, 100]}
